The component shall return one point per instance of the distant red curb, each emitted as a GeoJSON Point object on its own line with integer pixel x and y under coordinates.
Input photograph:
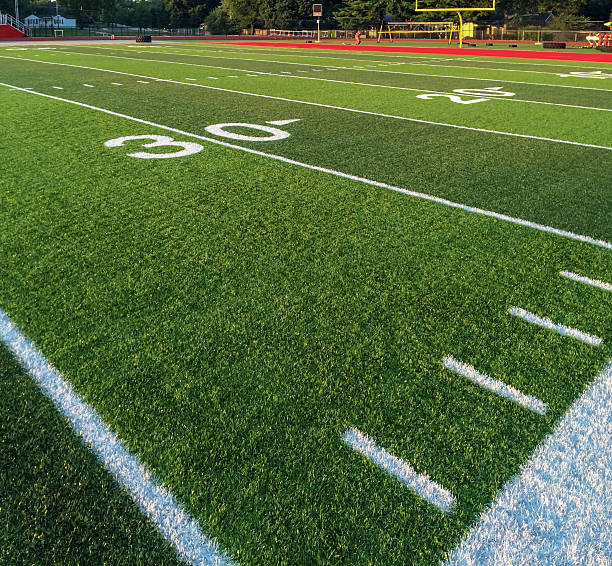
{"type": "Point", "coordinates": [594, 56]}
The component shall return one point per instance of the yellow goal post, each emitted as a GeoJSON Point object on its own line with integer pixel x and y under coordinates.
{"type": "Point", "coordinates": [458, 10]}
{"type": "Point", "coordinates": [414, 28]}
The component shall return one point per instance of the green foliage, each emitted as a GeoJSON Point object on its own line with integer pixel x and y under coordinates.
{"type": "Point", "coordinates": [218, 23]}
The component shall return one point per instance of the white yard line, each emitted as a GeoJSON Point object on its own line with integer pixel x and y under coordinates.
{"type": "Point", "coordinates": [557, 509]}
{"type": "Point", "coordinates": [421, 484]}
{"type": "Point", "coordinates": [586, 280]}
{"type": "Point", "coordinates": [560, 328]}
{"type": "Point", "coordinates": [320, 105]}
{"type": "Point", "coordinates": [424, 196]}
{"type": "Point", "coordinates": [287, 74]}
{"type": "Point", "coordinates": [494, 385]}
{"type": "Point", "coordinates": [157, 503]}
{"type": "Point", "coordinates": [326, 67]}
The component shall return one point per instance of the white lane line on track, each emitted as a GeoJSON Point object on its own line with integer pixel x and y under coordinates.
{"type": "Point", "coordinates": [154, 501]}
{"type": "Point", "coordinates": [326, 67]}
{"type": "Point", "coordinates": [557, 509]}
{"type": "Point", "coordinates": [421, 484]}
{"type": "Point", "coordinates": [288, 74]}
{"type": "Point", "coordinates": [559, 328]}
{"type": "Point", "coordinates": [424, 196]}
{"type": "Point", "coordinates": [494, 385]}
{"type": "Point", "coordinates": [295, 52]}
{"type": "Point", "coordinates": [319, 105]}
{"type": "Point", "coordinates": [586, 280]}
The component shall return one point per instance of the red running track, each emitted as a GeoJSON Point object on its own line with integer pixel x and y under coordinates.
{"type": "Point", "coordinates": [594, 56]}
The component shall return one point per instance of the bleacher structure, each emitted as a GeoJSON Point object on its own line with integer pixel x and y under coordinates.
{"type": "Point", "coordinates": [11, 28]}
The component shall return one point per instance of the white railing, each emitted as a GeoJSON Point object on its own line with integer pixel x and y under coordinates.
{"type": "Point", "coordinates": [7, 19]}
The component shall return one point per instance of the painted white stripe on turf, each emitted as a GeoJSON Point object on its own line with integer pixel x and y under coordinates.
{"type": "Point", "coordinates": [424, 196]}
{"type": "Point", "coordinates": [287, 74]}
{"type": "Point", "coordinates": [320, 105]}
{"type": "Point", "coordinates": [421, 484]}
{"type": "Point", "coordinates": [174, 523]}
{"type": "Point", "coordinates": [557, 509]}
{"type": "Point", "coordinates": [586, 280]}
{"type": "Point", "coordinates": [499, 387]}
{"type": "Point", "coordinates": [560, 328]}
{"type": "Point", "coordinates": [89, 86]}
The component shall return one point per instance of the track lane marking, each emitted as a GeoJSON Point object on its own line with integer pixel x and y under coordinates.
{"type": "Point", "coordinates": [424, 196]}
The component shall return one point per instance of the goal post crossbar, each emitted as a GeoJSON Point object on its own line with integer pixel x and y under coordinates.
{"type": "Point", "coordinates": [440, 27]}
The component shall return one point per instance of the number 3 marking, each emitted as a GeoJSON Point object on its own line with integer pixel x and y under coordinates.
{"type": "Point", "coordinates": [189, 148]}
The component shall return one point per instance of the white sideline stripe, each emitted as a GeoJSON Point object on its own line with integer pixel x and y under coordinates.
{"type": "Point", "coordinates": [143, 82]}
{"type": "Point", "coordinates": [284, 73]}
{"type": "Point", "coordinates": [58, 87]}
{"type": "Point", "coordinates": [494, 385]}
{"type": "Point", "coordinates": [326, 67]}
{"type": "Point", "coordinates": [421, 484]}
{"type": "Point", "coordinates": [296, 52]}
{"type": "Point", "coordinates": [424, 196]}
{"type": "Point", "coordinates": [320, 105]}
{"type": "Point", "coordinates": [89, 86]}
{"type": "Point", "coordinates": [174, 523]}
{"type": "Point", "coordinates": [586, 280]}
{"type": "Point", "coordinates": [560, 328]}
{"type": "Point", "coordinates": [117, 84]}
{"type": "Point", "coordinates": [557, 509]}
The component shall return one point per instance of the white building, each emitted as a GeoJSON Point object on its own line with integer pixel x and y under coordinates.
{"type": "Point", "coordinates": [58, 21]}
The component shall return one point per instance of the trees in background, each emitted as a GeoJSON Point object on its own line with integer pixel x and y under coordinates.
{"type": "Point", "coordinates": [232, 16]}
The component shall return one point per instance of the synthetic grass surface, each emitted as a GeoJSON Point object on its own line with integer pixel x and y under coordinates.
{"type": "Point", "coordinates": [231, 316]}
{"type": "Point", "coordinates": [57, 506]}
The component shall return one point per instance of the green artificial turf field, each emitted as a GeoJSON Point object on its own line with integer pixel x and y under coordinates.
{"type": "Point", "coordinates": [232, 311]}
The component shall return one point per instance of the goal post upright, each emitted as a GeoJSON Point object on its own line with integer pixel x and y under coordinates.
{"type": "Point", "coordinates": [458, 11]}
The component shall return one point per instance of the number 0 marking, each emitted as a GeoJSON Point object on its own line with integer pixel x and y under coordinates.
{"type": "Point", "coordinates": [189, 148]}
{"type": "Point", "coordinates": [275, 133]}
{"type": "Point", "coordinates": [451, 97]}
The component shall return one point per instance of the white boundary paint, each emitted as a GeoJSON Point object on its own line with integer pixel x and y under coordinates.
{"type": "Point", "coordinates": [287, 74]}
{"type": "Point", "coordinates": [320, 105]}
{"type": "Point", "coordinates": [418, 64]}
{"type": "Point", "coordinates": [586, 280]}
{"type": "Point", "coordinates": [557, 510]}
{"type": "Point", "coordinates": [421, 484]}
{"type": "Point", "coordinates": [494, 385]}
{"type": "Point", "coordinates": [424, 196]}
{"type": "Point", "coordinates": [560, 328]}
{"type": "Point", "coordinates": [174, 523]}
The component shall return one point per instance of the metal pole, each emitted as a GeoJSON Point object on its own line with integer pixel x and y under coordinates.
{"type": "Point", "coordinates": [318, 32]}
{"type": "Point", "coordinates": [17, 10]}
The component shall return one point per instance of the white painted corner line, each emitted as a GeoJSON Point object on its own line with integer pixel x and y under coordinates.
{"type": "Point", "coordinates": [421, 484]}
{"type": "Point", "coordinates": [424, 196]}
{"type": "Point", "coordinates": [557, 509]}
{"type": "Point", "coordinates": [560, 328]}
{"type": "Point", "coordinates": [586, 280]}
{"type": "Point", "coordinates": [494, 385]}
{"type": "Point", "coordinates": [174, 523]}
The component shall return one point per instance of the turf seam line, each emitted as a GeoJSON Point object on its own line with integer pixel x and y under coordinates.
{"type": "Point", "coordinates": [154, 501]}
{"type": "Point", "coordinates": [424, 196]}
{"type": "Point", "coordinates": [586, 280]}
{"type": "Point", "coordinates": [494, 385]}
{"type": "Point", "coordinates": [399, 72]}
{"type": "Point", "coordinates": [421, 484]}
{"type": "Point", "coordinates": [337, 81]}
{"type": "Point", "coordinates": [320, 105]}
{"type": "Point", "coordinates": [557, 509]}
{"type": "Point", "coordinates": [559, 328]}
